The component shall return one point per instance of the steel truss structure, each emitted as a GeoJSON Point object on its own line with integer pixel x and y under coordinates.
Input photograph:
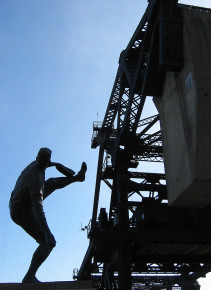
{"type": "Point", "coordinates": [141, 243]}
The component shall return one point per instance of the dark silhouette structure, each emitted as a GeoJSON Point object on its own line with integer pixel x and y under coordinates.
{"type": "Point", "coordinates": [142, 243]}
{"type": "Point", "coordinates": [26, 204]}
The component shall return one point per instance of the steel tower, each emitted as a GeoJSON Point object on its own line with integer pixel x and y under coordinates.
{"type": "Point", "coordinates": [141, 243]}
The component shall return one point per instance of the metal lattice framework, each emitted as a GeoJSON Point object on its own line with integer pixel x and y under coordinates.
{"type": "Point", "coordinates": [142, 243]}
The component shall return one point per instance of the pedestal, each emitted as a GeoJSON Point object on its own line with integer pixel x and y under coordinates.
{"type": "Point", "coordinates": [83, 285]}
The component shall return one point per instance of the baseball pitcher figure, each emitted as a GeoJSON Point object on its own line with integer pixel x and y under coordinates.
{"type": "Point", "coordinates": [26, 204]}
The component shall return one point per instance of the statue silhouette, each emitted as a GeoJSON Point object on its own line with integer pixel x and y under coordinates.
{"type": "Point", "coordinates": [26, 204]}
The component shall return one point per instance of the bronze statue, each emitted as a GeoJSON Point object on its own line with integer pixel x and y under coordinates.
{"type": "Point", "coordinates": [26, 204]}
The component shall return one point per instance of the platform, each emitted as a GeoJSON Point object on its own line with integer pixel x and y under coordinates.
{"type": "Point", "coordinates": [83, 285]}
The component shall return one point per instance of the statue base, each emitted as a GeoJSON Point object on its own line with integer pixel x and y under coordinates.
{"type": "Point", "coordinates": [83, 285]}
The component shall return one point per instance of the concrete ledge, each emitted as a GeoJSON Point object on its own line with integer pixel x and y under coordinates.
{"type": "Point", "coordinates": [83, 285]}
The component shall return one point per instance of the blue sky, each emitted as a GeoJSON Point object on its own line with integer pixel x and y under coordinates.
{"type": "Point", "coordinates": [58, 63]}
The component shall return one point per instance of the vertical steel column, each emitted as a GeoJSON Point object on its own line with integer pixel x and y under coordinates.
{"type": "Point", "coordinates": [124, 249]}
{"type": "Point", "coordinates": [85, 271]}
{"type": "Point", "coordinates": [97, 186]}
{"type": "Point", "coordinates": [108, 280]}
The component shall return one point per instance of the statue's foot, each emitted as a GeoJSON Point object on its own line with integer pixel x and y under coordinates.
{"type": "Point", "coordinates": [81, 173]}
{"type": "Point", "coordinates": [28, 279]}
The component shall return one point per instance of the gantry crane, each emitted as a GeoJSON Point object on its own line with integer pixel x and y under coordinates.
{"type": "Point", "coordinates": [142, 243]}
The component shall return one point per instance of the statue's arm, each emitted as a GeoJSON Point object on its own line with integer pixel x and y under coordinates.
{"type": "Point", "coordinates": [62, 169]}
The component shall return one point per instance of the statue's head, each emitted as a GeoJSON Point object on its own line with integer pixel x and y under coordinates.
{"type": "Point", "coordinates": [43, 157]}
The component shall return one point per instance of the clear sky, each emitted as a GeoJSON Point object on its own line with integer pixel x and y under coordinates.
{"type": "Point", "coordinates": [58, 61]}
